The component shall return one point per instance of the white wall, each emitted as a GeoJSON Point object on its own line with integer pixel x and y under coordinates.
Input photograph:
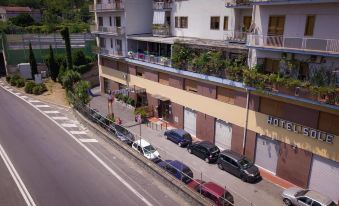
{"type": "Point", "coordinates": [139, 16]}
{"type": "Point", "coordinates": [199, 14]}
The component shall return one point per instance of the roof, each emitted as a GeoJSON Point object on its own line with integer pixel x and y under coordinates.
{"type": "Point", "coordinates": [178, 165]}
{"type": "Point", "coordinates": [232, 154]}
{"type": "Point", "coordinates": [319, 197]}
{"type": "Point", "coordinates": [17, 9]}
{"type": "Point", "coordinates": [206, 144]}
{"type": "Point", "coordinates": [143, 143]}
{"type": "Point", "coordinates": [180, 132]}
{"type": "Point", "coordinates": [215, 189]}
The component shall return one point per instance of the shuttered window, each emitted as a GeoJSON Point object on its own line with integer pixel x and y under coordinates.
{"type": "Point", "coordinates": [309, 27]}
{"type": "Point", "coordinates": [215, 23]}
{"type": "Point", "coordinates": [272, 65]}
{"type": "Point", "coordinates": [276, 25]}
{"type": "Point", "coordinates": [181, 22]}
{"type": "Point", "coordinates": [247, 23]}
{"type": "Point", "coordinates": [225, 23]}
{"type": "Point", "coordinates": [164, 79]}
{"type": "Point", "coordinates": [191, 85]}
{"type": "Point", "coordinates": [225, 95]}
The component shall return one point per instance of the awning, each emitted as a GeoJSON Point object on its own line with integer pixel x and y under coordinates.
{"type": "Point", "coordinates": [162, 98]}
{"type": "Point", "coordinates": [159, 17]}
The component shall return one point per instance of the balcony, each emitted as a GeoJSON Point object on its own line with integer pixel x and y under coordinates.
{"type": "Point", "coordinates": [161, 30]}
{"type": "Point", "coordinates": [164, 5]}
{"type": "Point", "coordinates": [117, 31]}
{"type": "Point", "coordinates": [111, 53]}
{"type": "Point", "coordinates": [280, 2]}
{"type": "Point", "coordinates": [238, 4]}
{"type": "Point", "coordinates": [149, 58]}
{"type": "Point", "coordinates": [113, 6]}
{"type": "Point", "coordinates": [235, 37]}
{"type": "Point", "coordinates": [312, 46]}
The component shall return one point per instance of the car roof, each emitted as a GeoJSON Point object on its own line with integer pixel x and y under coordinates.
{"type": "Point", "coordinates": [318, 197]}
{"type": "Point", "coordinates": [142, 143]}
{"type": "Point", "coordinates": [180, 132]}
{"type": "Point", "coordinates": [215, 189]}
{"type": "Point", "coordinates": [231, 154]}
{"type": "Point", "coordinates": [206, 144]}
{"type": "Point", "coordinates": [178, 165]}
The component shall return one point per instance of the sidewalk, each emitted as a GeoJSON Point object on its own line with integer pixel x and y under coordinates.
{"type": "Point", "coordinates": [265, 192]}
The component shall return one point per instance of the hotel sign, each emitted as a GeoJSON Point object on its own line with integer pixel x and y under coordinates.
{"type": "Point", "coordinates": [300, 129]}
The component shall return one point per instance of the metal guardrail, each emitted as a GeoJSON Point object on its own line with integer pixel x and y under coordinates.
{"type": "Point", "coordinates": [162, 5]}
{"type": "Point", "coordinates": [112, 53]}
{"type": "Point", "coordinates": [236, 36]}
{"type": "Point", "coordinates": [109, 30]}
{"type": "Point", "coordinates": [115, 5]}
{"type": "Point", "coordinates": [165, 61]}
{"type": "Point", "coordinates": [165, 31]}
{"type": "Point", "coordinates": [237, 3]}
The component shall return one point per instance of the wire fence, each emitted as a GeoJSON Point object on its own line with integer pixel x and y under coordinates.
{"type": "Point", "coordinates": [201, 183]}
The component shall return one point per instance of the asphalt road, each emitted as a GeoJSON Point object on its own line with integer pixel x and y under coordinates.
{"type": "Point", "coordinates": [58, 171]}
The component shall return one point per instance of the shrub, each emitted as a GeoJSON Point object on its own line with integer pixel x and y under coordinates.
{"type": "Point", "coordinates": [125, 98]}
{"type": "Point", "coordinates": [20, 82]}
{"type": "Point", "coordinates": [13, 79]}
{"type": "Point", "coordinates": [142, 111]}
{"type": "Point", "coordinates": [22, 20]}
{"type": "Point", "coordinates": [80, 91]}
{"type": "Point", "coordinates": [82, 68]}
{"type": "Point", "coordinates": [8, 78]}
{"type": "Point", "coordinates": [39, 89]}
{"type": "Point", "coordinates": [110, 117]}
{"type": "Point", "coordinates": [79, 58]}
{"type": "Point", "coordinates": [29, 87]}
{"type": "Point", "coordinates": [69, 79]}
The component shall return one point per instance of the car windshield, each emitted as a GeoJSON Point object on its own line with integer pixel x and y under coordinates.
{"type": "Point", "coordinates": [187, 136]}
{"type": "Point", "coordinates": [332, 204]}
{"type": "Point", "coordinates": [245, 163]}
{"type": "Point", "coordinates": [149, 149]}
{"type": "Point", "coordinates": [214, 150]}
{"type": "Point", "coordinates": [301, 193]}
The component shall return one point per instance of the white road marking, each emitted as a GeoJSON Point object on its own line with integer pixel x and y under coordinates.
{"type": "Point", "coordinates": [6, 87]}
{"type": "Point", "coordinates": [33, 101]}
{"type": "Point", "coordinates": [50, 112]}
{"type": "Point", "coordinates": [66, 125]}
{"type": "Point", "coordinates": [110, 170]}
{"type": "Point", "coordinates": [11, 90]}
{"type": "Point", "coordinates": [24, 97]}
{"type": "Point", "coordinates": [16, 93]}
{"type": "Point", "coordinates": [17, 179]}
{"type": "Point", "coordinates": [88, 140]}
{"type": "Point", "coordinates": [60, 118]}
{"type": "Point", "coordinates": [77, 132]}
{"type": "Point", "coordinates": [42, 106]}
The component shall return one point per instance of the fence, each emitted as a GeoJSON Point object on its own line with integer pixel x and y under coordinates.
{"type": "Point", "coordinates": [186, 175]}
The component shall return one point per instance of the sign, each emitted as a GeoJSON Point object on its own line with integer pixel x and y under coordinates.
{"type": "Point", "coordinates": [300, 129]}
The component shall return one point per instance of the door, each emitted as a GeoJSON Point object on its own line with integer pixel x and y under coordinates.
{"type": "Point", "coordinates": [247, 23]}
{"type": "Point", "coordinates": [100, 21]}
{"type": "Point", "coordinates": [276, 31]}
{"type": "Point", "coordinates": [267, 152]}
{"type": "Point", "coordinates": [324, 176]}
{"type": "Point", "coordinates": [223, 135]}
{"type": "Point", "coordinates": [190, 121]}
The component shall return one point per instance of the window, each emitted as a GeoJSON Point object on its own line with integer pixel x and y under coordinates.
{"type": "Point", "coordinates": [191, 85]}
{"type": "Point", "coordinates": [110, 21]}
{"type": "Point", "coordinates": [309, 27]}
{"type": "Point", "coordinates": [118, 21]}
{"type": "Point", "coordinates": [225, 23]}
{"type": "Point", "coordinates": [215, 23]}
{"type": "Point", "coordinates": [276, 25]}
{"type": "Point", "coordinates": [181, 22]}
{"type": "Point", "coordinates": [233, 163]}
{"type": "Point", "coordinates": [316, 203]}
{"type": "Point", "coordinates": [102, 43]}
{"type": "Point", "coordinates": [112, 43]}
{"type": "Point", "coordinates": [272, 65]}
{"type": "Point", "coordinates": [100, 21]}
{"type": "Point", "coordinates": [247, 21]}
{"type": "Point", "coordinates": [305, 200]}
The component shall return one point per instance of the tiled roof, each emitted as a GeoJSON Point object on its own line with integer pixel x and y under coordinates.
{"type": "Point", "coordinates": [16, 9]}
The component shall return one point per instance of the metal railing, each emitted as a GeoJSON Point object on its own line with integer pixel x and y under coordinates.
{"type": "Point", "coordinates": [290, 1]}
{"type": "Point", "coordinates": [161, 60]}
{"type": "Point", "coordinates": [236, 36]}
{"type": "Point", "coordinates": [162, 5]}
{"type": "Point", "coordinates": [115, 5]}
{"type": "Point", "coordinates": [236, 3]}
{"type": "Point", "coordinates": [294, 43]}
{"type": "Point", "coordinates": [114, 30]}
{"type": "Point", "coordinates": [161, 31]}
{"type": "Point", "coordinates": [112, 53]}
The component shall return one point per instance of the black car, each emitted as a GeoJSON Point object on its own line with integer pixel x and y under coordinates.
{"type": "Point", "coordinates": [238, 165]}
{"type": "Point", "coordinates": [179, 136]}
{"type": "Point", "coordinates": [205, 150]}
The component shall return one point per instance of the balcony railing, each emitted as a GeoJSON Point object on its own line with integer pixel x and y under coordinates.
{"type": "Point", "coordinates": [290, 1]}
{"type": "Point", "coordinates": [161, 31]}
{"type": "Point", "coordinates": [330, 46]}
{"type": "Point", "coordinates": [236, 36]}
{"type": "Point", "coordinates": [110, 30]}
{"type": "Point", "coordinates": [165, 61]}
{"type": "Point", "coordinates": [116, 5]}
{"type": "Point", "coordinates": [112, 53]}
{"type": "Point", "coordinates": [238, 3]}
{"type": "Point", "coordinates": [162, 5]}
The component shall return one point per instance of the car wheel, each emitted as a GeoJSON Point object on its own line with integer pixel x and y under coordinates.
{"type": "Point", "coordinates": [220, 166]}
{"type": "Point", "coordinates": [166, 137]}
{"type": "Point", "coordinates": [207, 160]}
{"type": "Point", "coordinates": [287, 202]}
{"type": "Point", "coordinates": [243, 178]}
{"type": "Point", "coordinates": [180, 144]}
{"type": "Point", "coordinates": [189, 151]}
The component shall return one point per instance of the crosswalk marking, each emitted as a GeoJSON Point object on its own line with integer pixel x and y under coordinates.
{"type": "Point", "coordinates": [88, 140]}
{"type": "Point", "coordinates": [52, 112]}
{"type": "Point", "coordinates": [60, 118]}
{"type": "Point", "coordinates": [42, 106]}
{"type": "Point", "coordinates": [24, 97]}
{"type": "Point", "coordinates": [17, 93]}
{"type": "Point", "coordinates": [33, 101]}
{"type": "Point", "coordinates": [78, 132]}
{"type": "Point", "coordinates": [69, 125]}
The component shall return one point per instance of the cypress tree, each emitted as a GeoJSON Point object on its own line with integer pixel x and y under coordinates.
{"type": "Point", "coordinates": [32, 61]}
{"type": "Point", "coordinates": [65, 35]}
{"type": "Point", "coordinates": [53, 69]}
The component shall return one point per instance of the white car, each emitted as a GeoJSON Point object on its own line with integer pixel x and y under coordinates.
{"type": "Point", "coordinates": [300, 197]}
{"type": "Point", "coordinates": [146, 149]}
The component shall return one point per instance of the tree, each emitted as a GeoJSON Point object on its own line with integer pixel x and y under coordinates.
{"type": "Point", "coordinates": [80, 91]}
{"type": "Point", "coordinates": [32, 61]}
{"type": "Point", "coordinates": [23, 20]}
{"type": "Point", "coordinates": [65, 36]}
{"type": "Point", "coordinates": [79, 58]}
{"type": "Point", "coordinates": [69, 79]}
{"type": "Point", "coordinates": [53, 68]}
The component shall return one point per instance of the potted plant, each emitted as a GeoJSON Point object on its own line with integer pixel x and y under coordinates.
{"type": "Point", "coordinates": [151, 58]}
{"type": "Point", "coordinates": [130, 54]}
{"type": "Point", "coordinates": [164, 60]}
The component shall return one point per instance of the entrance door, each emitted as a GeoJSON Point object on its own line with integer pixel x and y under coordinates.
{"type": "Point", "coordinates": [223, 135]}
{"type": "Point", "coordinates": [163, 109]}
{"type": "Point", "coordinates": [276, 31]}
{"type": "Point", "coordinates": [324, 177]}
{"type": "Point", "coordinates": [267, 153]}
{"type": "Point", "coordinates": [247, 23]}
{"type": "Point", "coordinates": [190, 121]}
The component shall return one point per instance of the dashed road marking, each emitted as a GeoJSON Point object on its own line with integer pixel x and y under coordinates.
{"type": "Point", "coordinates": [68, 125]}
{"type": "Point", "coordinates": [60, 118]}
{"type": "Point", "coordinates": [51, 112]}
{"type": "Point", "coordinates": [88, 140]}
{"type": "Point", "coordinates": [42, 106]}
{"type": "Point", "coordinates": [77, 132]}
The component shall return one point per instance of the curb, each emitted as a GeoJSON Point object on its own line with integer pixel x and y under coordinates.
{"type": "Point", "coordinates": [174, 184]}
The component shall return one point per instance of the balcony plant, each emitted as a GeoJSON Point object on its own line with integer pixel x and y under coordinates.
{"type": "Point", "coordinates": [130, 54]}
{"type": "Point", "coordinates": [152, 58]}
{"type": "Point", "coordinates": [164, 60]}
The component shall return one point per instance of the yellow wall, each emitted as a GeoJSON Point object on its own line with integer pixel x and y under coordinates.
{"type": "Point", "coordinates": [257, 122]}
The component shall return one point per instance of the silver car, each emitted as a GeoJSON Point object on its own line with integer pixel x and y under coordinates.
{"type": "Point", "coordinates": [300, 197]}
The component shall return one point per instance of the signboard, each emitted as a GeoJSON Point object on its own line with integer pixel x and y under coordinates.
{"type": "Point", "coordinates": [300, 129]}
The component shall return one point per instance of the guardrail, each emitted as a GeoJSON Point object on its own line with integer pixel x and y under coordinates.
{"type": "Point", "coordinates": [113, 53]}
{"type": "Point", "coordinates": [110, 30]}
{"type": "Point", "coordinates": [165, 61]}
{"type": "Point", "coordinates": [162, 5]}
{"type": "Point", "coordinates": [237, 3]}
{"type": "Point", "coordinates": [294, 43]}
{"type": "Point", "coordinates": [165, 31]}
{"type": "Point", "coordinates": [236, 36]}
{"type": "Point", "coordinates": [116, 5]}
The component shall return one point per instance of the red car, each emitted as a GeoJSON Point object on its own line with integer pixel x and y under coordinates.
{"type": "Point", "coordinates": [217, 194]}
{"type": "Point", "coordinates": [194, 184]}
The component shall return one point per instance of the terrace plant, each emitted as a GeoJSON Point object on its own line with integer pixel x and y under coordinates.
{"type": "Point", "coordinates": [181, 56]}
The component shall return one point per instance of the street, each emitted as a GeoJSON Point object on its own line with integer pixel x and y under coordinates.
{"type": "Point", "coordinates": [58, 169]}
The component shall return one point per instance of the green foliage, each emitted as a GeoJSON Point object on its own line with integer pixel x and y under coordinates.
{"type": "Point", "coordinates": [125, 98]}
{"type": "Point", "coordinates": [32, 88]}
{"type": "Point", "coordinates": [181, 56]}
{"type": "Point", "coordinates": [32, 61]}
{"type": "Point", "coordinates": [83, 68]}
{"type": "Point", "coordinates": [52, 65]}
{"type": "Point", "coordinates": [29, 87]}
{"type": "Point", "coordinates": [65, 36]}
{"type": "Point", "coordinates": [79, 58]}
{"type": "Point", "coordinates": [110, 117]}
{"type": "Point", "coordinates": [80, 91]}
{"type": "Point", "coordinates": [8, 78]}
{"type": "Point", "coordinates": [292, 83]}
{"type": "Point", "coordinates": [255, 79]}
{"type": "Point", "coordinates": [20, 82]}
{"type": "Point", "coordinates": [69, 79]}
{"type": "Point", "coordinates": [142, 111]}
{"type": "Point", "coordinates": [22, 20]}
{"type": "Point", "coordinates": [61, 74]}
{"type": "Point", "coordinates": [13, 79]}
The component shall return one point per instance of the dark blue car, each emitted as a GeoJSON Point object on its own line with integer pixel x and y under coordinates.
{"type": "Point", "coordinates": [178, 169]}
{"type": "Point", "coordinates": [179, 136]}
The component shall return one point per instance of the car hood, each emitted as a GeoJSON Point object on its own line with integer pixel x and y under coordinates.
{"type": "Point", "coordinates": [290, 192]}
{"type": "Point", "coordinates": [252, 170]}
{"type": "Point", "coordinates": [153, 155]}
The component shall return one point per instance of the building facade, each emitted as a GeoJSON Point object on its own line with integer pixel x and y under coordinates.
{"type": "Point", "coordinates": [285, 132]}
{"type": "Point", "coordinates": [7, 12]}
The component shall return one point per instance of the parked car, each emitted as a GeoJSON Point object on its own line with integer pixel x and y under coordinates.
{"type": "Point", "coordinates": [194, 184]}
{"type": "Point", "coordinates": [238, 165]}
{"type": "Point", "coordinates": [146, 149]}
{"type": "Point", "coordinates": [300, 197]}
{"type": "Point", "coordinates": [205, 150]}
{"type": "Point", "coordinates": [179, 136]}
{"type": "Point", "coordinates": [122, 134]}
{"type": "Point", "coordinates": [178, 169]}
{"type": "Point", "coordinates": [217, 194]}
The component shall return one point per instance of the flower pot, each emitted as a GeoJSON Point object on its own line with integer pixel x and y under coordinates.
{"type": "Point", "coordinates": [286, 90]}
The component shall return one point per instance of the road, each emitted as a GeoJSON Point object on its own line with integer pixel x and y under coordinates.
{"type": "Point", "coordinates": [57, 170]}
